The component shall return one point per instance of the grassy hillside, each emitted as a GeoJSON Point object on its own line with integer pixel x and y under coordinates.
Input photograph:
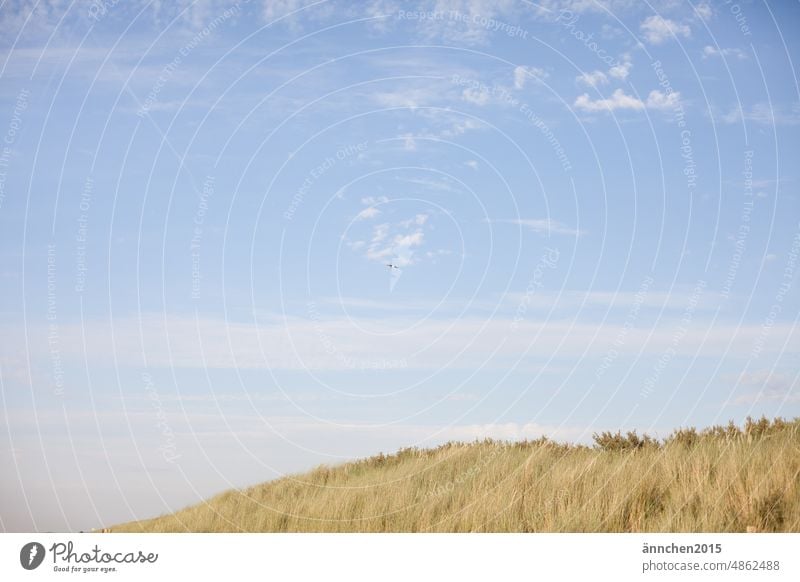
{"type": "Point", "coordinates": [722, 479]}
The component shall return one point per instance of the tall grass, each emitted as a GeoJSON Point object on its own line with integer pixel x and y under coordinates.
{"type": "Point", "coordinates": [722, 479]}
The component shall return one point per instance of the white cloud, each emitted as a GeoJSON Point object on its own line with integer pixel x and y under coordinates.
{"type": "Point", "coordinates": [764, 114]}
{"type": "Point", "coordinates": [409, 240]}
{"type": "Point", "coordinates": [772, 387]}
{"type": "Point", "coordinates": [408, 97]}
{"type": "Point", "coordinates": [593, 79]}
{"type": "Point", "coordinates": [382, 11]}
{"type": "Point", "coordinates": [663, 101]}
{"type": "Point", "coordinates": [438, 253]}
{"type": "Point", "coordinates": [470, 27]}
{"type": "Point", "coordinates": [439, 184]}
{"type": "Point", "coordinates": [448, 126]}
{"type": "Point", "coordinates": [461, 127]}
{"type": "Point", "coordinates": [380, 232]}
{"type": "Point", "coordinates": [618, 100]}
{"type": "Point", "coordinates": [675, 300]}
{"type": "Point", "coordinates": [368, 213]}
{"type": "Point", "coordinates": [710, 51]}
{"type": "Point", "coordinates": [522, 74]}
{"type": "Point", "coordinates": [476, 96]}
{"type": "Point", "coordinates": [372, 200]}
{"type": "Point", "coordinates": [418, 220]}
{"type": "Point", "coordinates": [545, 226]}
{"type": "Point", "coordinates": [409, 142]}
{"type": "Point", "coordinates": [621, 70]}
{"type": "Point", "coordinates": [704, 11]}
{"type": "Point", "coordinates": [387, 243]}
{"type": "Point", "coordinates": [472, 164]}
{"type": "Point", "coordinates": [656, 29]}
{"type": "Point", "coordinates": [341, 343]}
{"type": "Point", "coordinates": [274, 9]}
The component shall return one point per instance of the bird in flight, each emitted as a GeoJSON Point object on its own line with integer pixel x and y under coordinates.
{"type": "Point", "coordinates": [391, 266]}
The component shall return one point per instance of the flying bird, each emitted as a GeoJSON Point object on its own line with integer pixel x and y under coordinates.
{"type": "Point", "coordinates": [391, 266]}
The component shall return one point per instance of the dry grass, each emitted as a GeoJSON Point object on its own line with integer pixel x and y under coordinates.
{"type": "Point", "coordinates": [723, 479]}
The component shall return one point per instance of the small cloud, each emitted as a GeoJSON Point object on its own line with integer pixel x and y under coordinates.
{"type": "Point", "coordinates": [368, 213]}
{"type": "Point", "coordinates": [472, 164]}
{"type": "Point", "coordinates": [396, 244]}
{"type": "Point", "coordinates": [593, 79]}
{"type": "Point", "coordinates": [621, 70]}
{"type": "Point", "coordinates": [475, 96]}
{"type": "Point", "coordinates": [288, 11]}
{"type": "Point", "coordinates": [380, 13]}
{"type": "Point", "coordinates": [522, 74]}
{"type": "Point", "coordinates": [410, 98]}
{"type": "Point", "coordinates": [772, 387]}
{"type": "Point", "coordinates": [710, 51]}
{"type": "Point", "coordinates": [372, 200]}
{"type": "Point", "coordinates": [414, 239]}
{"type": "Point", "coordinates": [409, 143]}
{"type": "Point", "coordinates": [460, 128]}
{"type": "Point", "coordinates": [663, 101]}
{"type": "Point", "coordinates": [704, 11]}
{"type": "Point", "coordinates": [656, 29]}
{"type": "Point", "coordinates": [618, 100]}
{"type": "Point", "coordinates": [762, 113]}
{"type": "Point", "coordinates": [379, 232]}
{"type": "Point", "coordinates": [545, 226]}
{"type": "Point", "coordinates": [418, 220]}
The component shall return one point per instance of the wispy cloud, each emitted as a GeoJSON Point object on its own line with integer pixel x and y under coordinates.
{"type": "Point", "coordinates": [368, 213]}
{"type": "Point", "coordinates": [771, 386]}
{"type": "Point", "coordinates": [704, 11]}
{"type": "Point", "coordinates": [397, 242]}
{"type": "Point", "coordinates": [465, 21]}
{"type": "Point", "coordinates": [336, 343]}
{"type": "Point", "coordinates": [674, 301]}
{"type": "Point", "coordinates": [710, 51]}
{"type": "Point", "coordinates": [763, 113]}
{"type": "Point", "coordinates": [408, 97]}
{"type": "Point", "coordinates": [593, 79]}
{"type": "Point", "coordinates": [545, 226]}
{"type": "Point", "coordinates": [523, 74]}
{"type": "Point", "coordinates": [476, 96]}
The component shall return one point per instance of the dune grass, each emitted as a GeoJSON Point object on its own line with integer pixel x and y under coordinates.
{"type": "Point", "coordinates": [722, 479]}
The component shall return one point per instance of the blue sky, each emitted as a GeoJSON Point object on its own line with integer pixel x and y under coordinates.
{"type": "Point", "coordinates": [591, 209]}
